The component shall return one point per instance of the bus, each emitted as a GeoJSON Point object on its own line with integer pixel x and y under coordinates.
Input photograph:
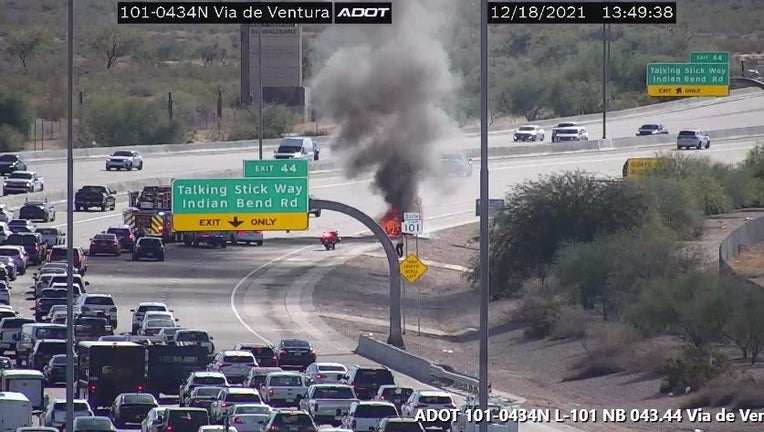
{"type": "Point", "coordinates": [106, 369]}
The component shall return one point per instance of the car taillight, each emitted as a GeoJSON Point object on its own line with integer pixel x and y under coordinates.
{"type": "Point", "coordinates": [237, 420]}
{"type": "Point", "coordinates": [282, 352]}
{"type": "Point", "coordinates": [92, 387]}
{"type": "Point", "coordinates": [312, 351]}
{"type": "Point", "coordinates": [139, 388]}
{"type": "Point", "coordinates": [221, 364]}
{"type": "Point", "coordinates": [169, 428]}
{"type": "Point", "coordinates": [92, 244]}
{"type": "Point", "coordinates": [259, 232]}
{"type": "Point", "coordinates": [381, 398]}
{"type": "Point", "coordinates": [419, 405]}
{"type": "Point", "coordinates": [115, 243]}
{"type": "Point", "coordinates": [319, 376]}
{"type": "Point", "coordinates": [274, 428]}
{"type": "Point", "coordinates": [275, 358]}
{"type": "Point", "coordinates": [224, 404]}
{"type": "Point", "coordinates": [270, 392]}
{"type": "Point", "coordinates": [240, 232]}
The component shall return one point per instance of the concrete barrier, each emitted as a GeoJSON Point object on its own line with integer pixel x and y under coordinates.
{"type": "Point", "coordinates": [746, 235]}
{"type": "Point", "coordinates": [394, 358]}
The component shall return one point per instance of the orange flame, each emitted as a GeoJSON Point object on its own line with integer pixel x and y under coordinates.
{"type": "Point", "coordinates": [391, 223]}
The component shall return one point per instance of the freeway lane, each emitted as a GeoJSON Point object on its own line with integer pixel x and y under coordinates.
{"type": "Point", "coordinates": [735, 111]}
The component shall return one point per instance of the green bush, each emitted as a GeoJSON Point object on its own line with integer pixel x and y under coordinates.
{"type": "Point", "coordinates": [10, 139]}
{"type": "Point", "coordinates": [124, 121]}
{"type": "Point", "coordinates": [539, 310]}
{"type": "Point", "coordinates": [16, 111]}
{"type": "Point", "coordinates": [277, 120]}
{"type": "Point", "coordinates": [693, 368]}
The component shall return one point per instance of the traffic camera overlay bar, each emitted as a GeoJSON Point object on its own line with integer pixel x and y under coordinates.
{"type": "Point", "coordinates": [582, 13]}
{"type": "Point", "coordinates": [254, 13]}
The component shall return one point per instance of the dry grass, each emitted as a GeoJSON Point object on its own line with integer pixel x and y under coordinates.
{"type": "Point", "coordinates": [734, 390]}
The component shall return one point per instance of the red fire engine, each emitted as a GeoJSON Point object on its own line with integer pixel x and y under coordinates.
{"type": "Point", "coordinates": [149, 213]}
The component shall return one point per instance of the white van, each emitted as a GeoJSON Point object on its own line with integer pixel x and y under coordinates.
{"type": "Point", "coordinates": [295, 147]}
{"type": "Point", "coordinates": [15, 411]}
{"type": "Point", "coordinates": [30, 383]}
{"type": "Point", "coordinates": [574, 133]}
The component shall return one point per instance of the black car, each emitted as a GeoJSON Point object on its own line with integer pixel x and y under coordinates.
{"type": "Point", "coordinates": [10, 163]}
{"type": "Point", "coordinates": [148, 247]}
{"type": "Point", "coordinates": [652, 129]}
{"type": "Point", "coordinates": [125, 237]}
{"type": "Point", "coordinates": [264, 354]}
{"type": "Point", "coordinates": [37, 211]}
{"type": "Point", "coordinates": [32, 243]}
{"type": "Point", "coordinates": [55, 370]}
{"type": "Point", "coordinates": [131, 408]}
{"type": "Point", "coordinates": [296, 353]}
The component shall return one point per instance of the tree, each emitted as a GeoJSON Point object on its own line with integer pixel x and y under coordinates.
{"type": "Point", "coordinates": [745, 327]}
{"type": "Point", "coordinates": [16, 111]}
{"type": "Point", "coordinates": [541, 215]}
{"type": "Point", "coordinates": [112, 42]}
{"type": "Point", "coordinates": [124, 121]}
{"type": "Point", "coordinates": [26, 43]}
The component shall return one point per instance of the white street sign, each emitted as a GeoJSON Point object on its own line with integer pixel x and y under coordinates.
{"type": "Point", "coordinates": [411, 216]}
{"type": "Point", "coordinates": [412, 227]}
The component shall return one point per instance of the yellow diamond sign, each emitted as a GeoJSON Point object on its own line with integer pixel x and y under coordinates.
{"type": "Point", "coordinates": [412, 268]}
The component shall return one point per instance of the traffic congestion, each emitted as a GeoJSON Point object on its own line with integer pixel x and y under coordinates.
{"type": "Point", "coordinates": [153, 372]}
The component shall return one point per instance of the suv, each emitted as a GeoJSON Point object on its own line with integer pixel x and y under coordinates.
{"type": "Point", "coordinates": [221, 407]}
{"type": "Point", "coordinates": [10, 163]}
{"type": "Point", "coordinates": [691, 138]}
{"type": "Point", "coordinates": [366, 415]}
{"type": "Point", "coordinates": [58, 253]}
{"type": "Point", "coordinates": [55, 413]}
{"type": "Point", "coordinates": [148, 247]}
{"type": "Point", "coordinates": [32, 243]}
{"type": "Point", "coordinates": [140, 312]}
{"type": "Point", "coordinates": [400, 424]}
{"type": "Point", "coordinates": [366, 380]}
{"type": "Point", "coordinates": [125, 159]}
{"type": "Point", "coordinates": [184, 420]}
{"type": "Point", "coordinates": [31, 333]}
{"type": "Point", "coordinates": [561, 126]}
{"type": "Point", "coordinates": [43, 351]}
{"type": "Point", "coordinates": [98, 305]}
{"type": "Point", "coordinates": [201, 379]}
{"type": "Point", "coordinates": [125, 237]}
{"type": "Point", "coordinates": [234, 365]}
{"type": "Point", "coordinates": [291, 421]}
{"type": "Point", "coordinates": [429, 400]}
{"type": "Point", "coordinates": [37, 211]}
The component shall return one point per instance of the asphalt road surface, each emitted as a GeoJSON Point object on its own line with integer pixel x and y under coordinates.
{"type": "Point", "coordinates": [242, 294]}
{"type": "Point", "coordinates": [741, 110]}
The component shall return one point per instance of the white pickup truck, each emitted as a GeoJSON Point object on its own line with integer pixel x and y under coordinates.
{"type": "Point", "coordinates": [495, 405]}
{"type": "Point", "coordinates": [328, 402]}
{"type": "Point", "coordinates": [283, 389]}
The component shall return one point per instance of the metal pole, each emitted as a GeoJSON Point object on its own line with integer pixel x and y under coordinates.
{"type": "Point", "coordinates": [604, 81]}
{"type": "Point", "coordinates": [419, 292]}
{"type": "Point", "coordinates": [484, 256]}
{"type": "Point", "coordinates": [403, 286]}
{"type": "Point", "coordinates": [71, 378]}
{"type": "Point", "coordinates": [260, 88]}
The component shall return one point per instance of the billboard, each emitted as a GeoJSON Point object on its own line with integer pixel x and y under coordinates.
{"type": "Point", "coordinates": [281, 55]}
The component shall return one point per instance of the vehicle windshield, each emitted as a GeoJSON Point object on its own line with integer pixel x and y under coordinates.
{"type": "Point", "coordinates": [374, 376]}
{"type": "Point", "coordinates": [151, 308]}
{"type": "Point", "coordinates": [286, 381]}
{"type": "Point", "coordinates": [375, 411]}
{"type": "Point", "coordinates": [94, 424]}
{"type": "Point", "coordinates": [100, 301]}
{"type": "Point", "coordinates": [295, 343]}
{"type": "Point", "coordinates": [436, 400]}
{"type": "Point", "coordinates": [252, 409]}
{"type": "Point", "coordinates": [31, 211]}
{"type": "Point", "coordinates": [403, 426]}
{"type": "Point", "coordinates": [242, 397]}
{"type": "Point", "coordinates": [78, 406]}
{"type": "Point", "coordinates": [160, 323]}
{"type": "Point", "coordinates": [293, 419]}
{"type": "Point", "coordinates": [333, 393]}
{"type": "Point", "coordinates": [397, 392]}
{"type": "Point", "coordinates": [9, 252]}
{"type": "Point", "coordinates": [649, 126]}
{"type": "Point", "coordinates": [331, 368]}
{"type": "Point", "coordinates": [95, 189]}
{"type": "Point", "coordinates": [20, 175]}
{"type": "Point", "coordinates": [47, 231]}
{"type": "Point", "coordinates": [58, 359]}
{"type": "Point", "coordinates": [209, 380]}
{"type": "Point", "coordinates": [238, 359]}
{"type": "Point", "coordinates": [21, 239]}
{"type": "Point", "coordinates": [527, 128]}
{"type": "Point", "coordinates": [192, 336]}
{"type": "Point", "coordinates": [140, 399]}
{"type": "Point", "coordinates": [111, 237]}
{"type": "Point", "coordinates": [52, 347]}
{"type": "Point", "coordinates": [207, 391]}
{"type": "Point", "coordinates": [688, 133]}
{"type": "Point", "coordinates": [567, 131]}
{"type": "Point", "coordinates": [261, 351]}
{"type": "Point", "coordinates": [150, 242]}
{"type": "Point", "coordinates": [122, 153]}
{"type": "Point", "coordinates": [8, 158]}
{"type": "Point", "coordinates": [563, 125]}
{"type": "Point", "coordinates": [51, 333]}
{"type": "Point", "coordinates": [120, 232]}
{"type": "Point", "coordinates": [290, 145]}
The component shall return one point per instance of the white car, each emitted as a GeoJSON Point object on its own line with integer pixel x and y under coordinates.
{"type": "Point", "coordinates": [159, 315]}
{"type": "Point", "coordinates": [51, 236]}
{"type": "Point", "coordinates": [325, 373]}
{"type": "Point", "coordinates": [246, 237]}
{"type": "Point", "coordinates": [124, 160]}
{"type": "Point", "coordinates": [140, 311]}
{"type": "Point", "coordinates": [23, 182]}
{"type": "Point", "coordinates": [5, 295]}
{"type": "Point", "coordinates": [529, 133]}
{"type": "Point", "coordinates": [250, 417]}
{"type": "Point", "coordinates": [428, 400]}
{"type": "Point", "coordinates": [364, 416]}
{"type": "Point", "coordinates": [152, 327]}
{"type": "Point", "coordinates": [55, 414]}
{"type": "Point", "coordinates": [98, 305]}
{"type": "Point", "coordinates": [235, 365]}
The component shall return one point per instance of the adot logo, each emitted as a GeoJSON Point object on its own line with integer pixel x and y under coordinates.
{"type": "Point", "coordinates": [363, 13]}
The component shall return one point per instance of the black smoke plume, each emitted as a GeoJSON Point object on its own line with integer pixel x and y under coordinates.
{"type": "Point", "coordinates": [384, 87]}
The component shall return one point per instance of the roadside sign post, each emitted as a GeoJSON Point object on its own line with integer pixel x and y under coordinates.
{"type": "Point", "coordinates": [274, 199]}
{"type": "Point", "coordinates": [412, 224]}
{"type": "Point", "coordinates": [412, 268]}
{"type": "Point", "coordinates": [688, 79]}
{"type": "Point", "coordinates": [494, 205]}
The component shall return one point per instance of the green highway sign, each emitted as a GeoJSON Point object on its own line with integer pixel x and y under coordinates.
{"type": "Point", "coordinates": [247, 204]}
{"type": "Point", "coordinates": [276, 168]}
{"type": "Point", "coordinates": [688, 79]}
{"type": "Point", "coordinates": [709, 57]}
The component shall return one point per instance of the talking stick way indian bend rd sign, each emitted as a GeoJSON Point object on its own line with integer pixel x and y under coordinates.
{"type": "Point", "coordinates": [688, 79]}
{"type": "Point", "coordinates": [274, 198]}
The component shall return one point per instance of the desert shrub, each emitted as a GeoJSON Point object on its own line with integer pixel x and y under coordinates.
{"type": "Point", "coordinates": [607, 345]}
{"type": "Point", "coordinates": [745, 328]}
{"type": "Point", "coordinates": [123, 121]}
{"type": "Point", "coordinates": [277, 120]}
{"type": "Point", "coordinates": [541, 215]}
{"type": "Point", "coordinates": [732, 389]}
{"type": "Point", "coordinates": [539, 309]}
{"type": "Point", "coordinates": [572, 323]}
{"type": "Point", "coordinates": [10, 139]}
{"type": "Point", "coordinates": [693, 368]}
{"type": "Point", "coordinates": [675, 203]}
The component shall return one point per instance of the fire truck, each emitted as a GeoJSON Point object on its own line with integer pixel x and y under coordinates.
{"type": "Point", "coordinates": [149, 213]}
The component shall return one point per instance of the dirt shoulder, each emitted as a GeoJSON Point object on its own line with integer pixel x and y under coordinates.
{"type": "Point", "coordinates": [442, 299]}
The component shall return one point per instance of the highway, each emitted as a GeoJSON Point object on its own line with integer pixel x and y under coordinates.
{"type": "Point", "coordinates": [245, 293]}
{"type": "Point", "coordinates": [741, 110]}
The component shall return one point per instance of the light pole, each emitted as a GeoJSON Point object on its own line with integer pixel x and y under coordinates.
{"type": "Point", "coordinates": [71, 378]}
{"type": "Point", "coordinates": [260, 89]}
{"type": "Point", "coordinates": [484, 255]}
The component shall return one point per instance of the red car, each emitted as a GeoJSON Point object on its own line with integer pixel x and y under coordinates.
{"type": "Point", "coordinates": [105, 244]}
